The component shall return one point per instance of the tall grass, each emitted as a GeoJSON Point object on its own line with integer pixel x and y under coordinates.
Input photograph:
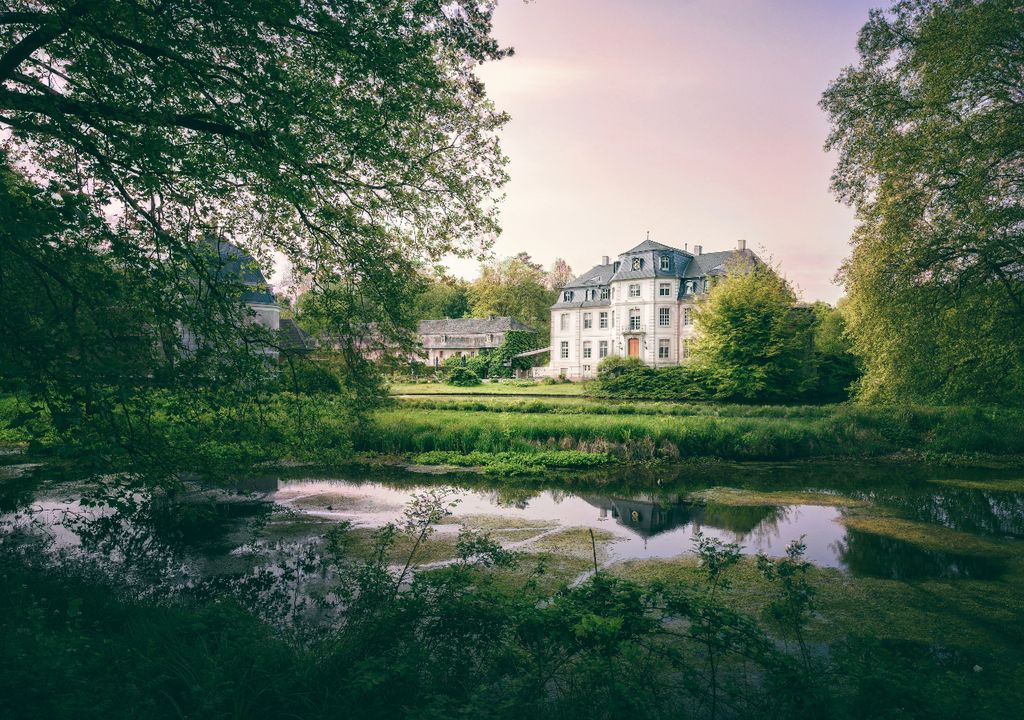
{"type": "Point", "coordinates": [762, 434]}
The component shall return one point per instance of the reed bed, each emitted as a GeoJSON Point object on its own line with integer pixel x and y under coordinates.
{"type": "Point", "coordinates": [731, 432]}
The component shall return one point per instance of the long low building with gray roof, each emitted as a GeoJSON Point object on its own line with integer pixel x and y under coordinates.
{"type": "Point", "coordinates": [463, 337]}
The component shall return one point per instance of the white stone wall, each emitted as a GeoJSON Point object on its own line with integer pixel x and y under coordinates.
{"type": "Point", "coordinates": [618, 332]}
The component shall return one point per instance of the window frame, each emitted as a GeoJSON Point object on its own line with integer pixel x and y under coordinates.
{"type": "Point", "coordinates": [634, 290]}
{"type": "Point", "coordinates": [588, 350]}
{"type": "Point", "coordinates": [664, 317]}
{"type": "Point", "coordinates": [588, 320]}
{"type": "Point", "coordinates": [602, 349]}
{"type": "Point", "coordinates": [563, 350]}
{"type": "Point", "coordinates": [634, 315]}
{"type": "Point", "coordinates": [664, 349]}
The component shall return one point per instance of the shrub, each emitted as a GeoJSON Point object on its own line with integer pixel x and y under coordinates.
{"type": "Point", "coordinates": [479, 364]}
{"type": "Point", "coordinates": [451, 363]}
{"type": "Point", "coordinates": [307, 376]}
{"type": "Point", "coordinates": [463, 377]}
{"type": "Point", "coordinates": [630, 378]}
{"type": "Point", "coordinates": [613, 365]}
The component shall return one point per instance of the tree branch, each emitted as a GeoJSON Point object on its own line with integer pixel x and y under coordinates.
{"type": "Point", "coordinates": [53, 28]}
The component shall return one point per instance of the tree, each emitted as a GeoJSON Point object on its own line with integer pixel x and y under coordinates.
{"type": "Point", "coordinates": [835, 365]}
{"type": "Point", "coordinates": [354, 138]}
{"type": "Point", "coordinates": [443, 296]}
{"type": "Point", "coordinates": [559, 275]}
{"type": "Point", "coordinates": [516, 287]}
{"type": "Point", "coordinates": [753, 340]}
{"type": "Point", "coordinates": [929, 127]}
{"type": "Point", "coordinates": [503, 361]}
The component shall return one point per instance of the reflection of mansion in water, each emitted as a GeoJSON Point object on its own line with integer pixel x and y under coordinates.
{"type": "Point", "coordinates": [647, 517]}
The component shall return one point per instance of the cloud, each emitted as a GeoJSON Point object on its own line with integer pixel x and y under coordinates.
{"type": "Point", "coordinates": [523, 77]}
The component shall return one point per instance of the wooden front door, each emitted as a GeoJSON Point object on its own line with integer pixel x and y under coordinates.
{"type": "Point", "coordinates": [634, 347]}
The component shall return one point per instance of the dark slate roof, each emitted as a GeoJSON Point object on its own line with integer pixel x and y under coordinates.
{"type": "Point", "coordinates": [684, 265]}
{"type": "Point", "coordinates": [238, 266]}
{"type": "Point", "coordinates": [597, 275]}
{"type": "Point", "coordinates": [293, 338]}
{"type": "Point", "coordinates": [715, 263]}
{"type": "Point", "coordinates": [469, 326]}
{"type": "Point", "coordinates": [648, 245]}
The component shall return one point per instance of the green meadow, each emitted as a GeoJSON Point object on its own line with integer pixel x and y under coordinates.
{"type": "Point", "coordinates": [647, 431]}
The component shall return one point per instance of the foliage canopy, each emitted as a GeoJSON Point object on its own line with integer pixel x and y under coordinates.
{"type": "Point", "coordinates": [929, 126]}
{"type": "Point", "coordinates": [753, 341]}
{"type": "Point", "coordinates": [354, 138]}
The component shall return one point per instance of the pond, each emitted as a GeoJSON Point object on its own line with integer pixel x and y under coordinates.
{"type": "Point", "coordinates": [867, 519]}
{"type": "Point", "coordinates": [748, 505]}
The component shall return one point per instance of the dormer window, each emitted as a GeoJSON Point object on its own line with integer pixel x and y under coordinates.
{"type": "Point", "coordinates": [567, 296]}
{"type": "Point", "coordinates": [666, 263]}
{"type": "Point", "coordinates": [637, 263]}
{"type": "Point", "coordinates": [606, 293]}
{"type": "Point", "coordinates": [616, 265]}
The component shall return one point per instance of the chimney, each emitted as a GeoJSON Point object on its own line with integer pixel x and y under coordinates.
{"type": "Point", "coordinates": [698, 249]}
{"type": "Point", "coordinates": [741, 244]}
{"type": "Point", "coordinates": [604, 259]}
{"type": "Point", "coordinates": [686, 247]}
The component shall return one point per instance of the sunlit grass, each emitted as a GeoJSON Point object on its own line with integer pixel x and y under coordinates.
{"type": "Point", "coordinates": [733, 432]}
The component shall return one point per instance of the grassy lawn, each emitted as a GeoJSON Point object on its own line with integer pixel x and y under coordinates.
{"type": "Point", "coordinates": [731, 432]}
{"type": "Point", "coordinates": [516, 387]}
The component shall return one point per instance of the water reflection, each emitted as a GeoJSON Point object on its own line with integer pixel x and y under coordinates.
{"type": "Point", "coordinates": [642, 525]}
{"type": "Point", "coordinates": [648, 513]}
{"type": "Point", "coordinates": [879, 556]}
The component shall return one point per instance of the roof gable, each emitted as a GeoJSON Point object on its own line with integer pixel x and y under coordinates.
{"type": "Point", "coordinates": [469, 326]}
{"type": "Point", "coordinates": [649, 245]}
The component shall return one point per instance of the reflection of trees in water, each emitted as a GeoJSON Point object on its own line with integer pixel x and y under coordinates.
{"type": "Point", "coordinates": [967, 510]}
{"type": "Point", "coordinates": [741, 520]}
{"type": "Point", "coordinates": [518, 498]}
{"type": "Point", "coordinates": [906, 488]}
{"type": "Point", "coordinates": [880, 556]}
{"type": "Point", "coordinates": [148, 543]}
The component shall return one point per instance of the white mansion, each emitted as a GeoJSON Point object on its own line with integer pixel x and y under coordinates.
{"type": "Point", "coordinates": [640, 305]}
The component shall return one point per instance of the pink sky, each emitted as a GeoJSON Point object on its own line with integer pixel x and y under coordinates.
{"type": "Point", "coordinates": [694, 119]}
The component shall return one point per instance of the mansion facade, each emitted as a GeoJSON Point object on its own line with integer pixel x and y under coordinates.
{"type": "Point", "coordinates": [640, 305]}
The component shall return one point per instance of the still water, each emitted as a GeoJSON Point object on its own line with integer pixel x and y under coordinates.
{"type": "Point", "coordinates": [643, 526]}
{"type": "Point", "coordinates": [660, 521]}
{"type": "Point", "coordinates": [652, 513]}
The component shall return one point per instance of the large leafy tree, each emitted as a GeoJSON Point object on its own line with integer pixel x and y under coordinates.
{"type": "Point", "coordinates": [352, 136]}
{"type": "Point", "coordinates": [836, 366]}
{"type": "Point", "coordinates": [753, 341]}
{"type": "Point", "coordinates": [515, 286]}
{"type": "Point", "coordinates": [929, 127]}
{"type": "Point", "coordinates": [442, 296]}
